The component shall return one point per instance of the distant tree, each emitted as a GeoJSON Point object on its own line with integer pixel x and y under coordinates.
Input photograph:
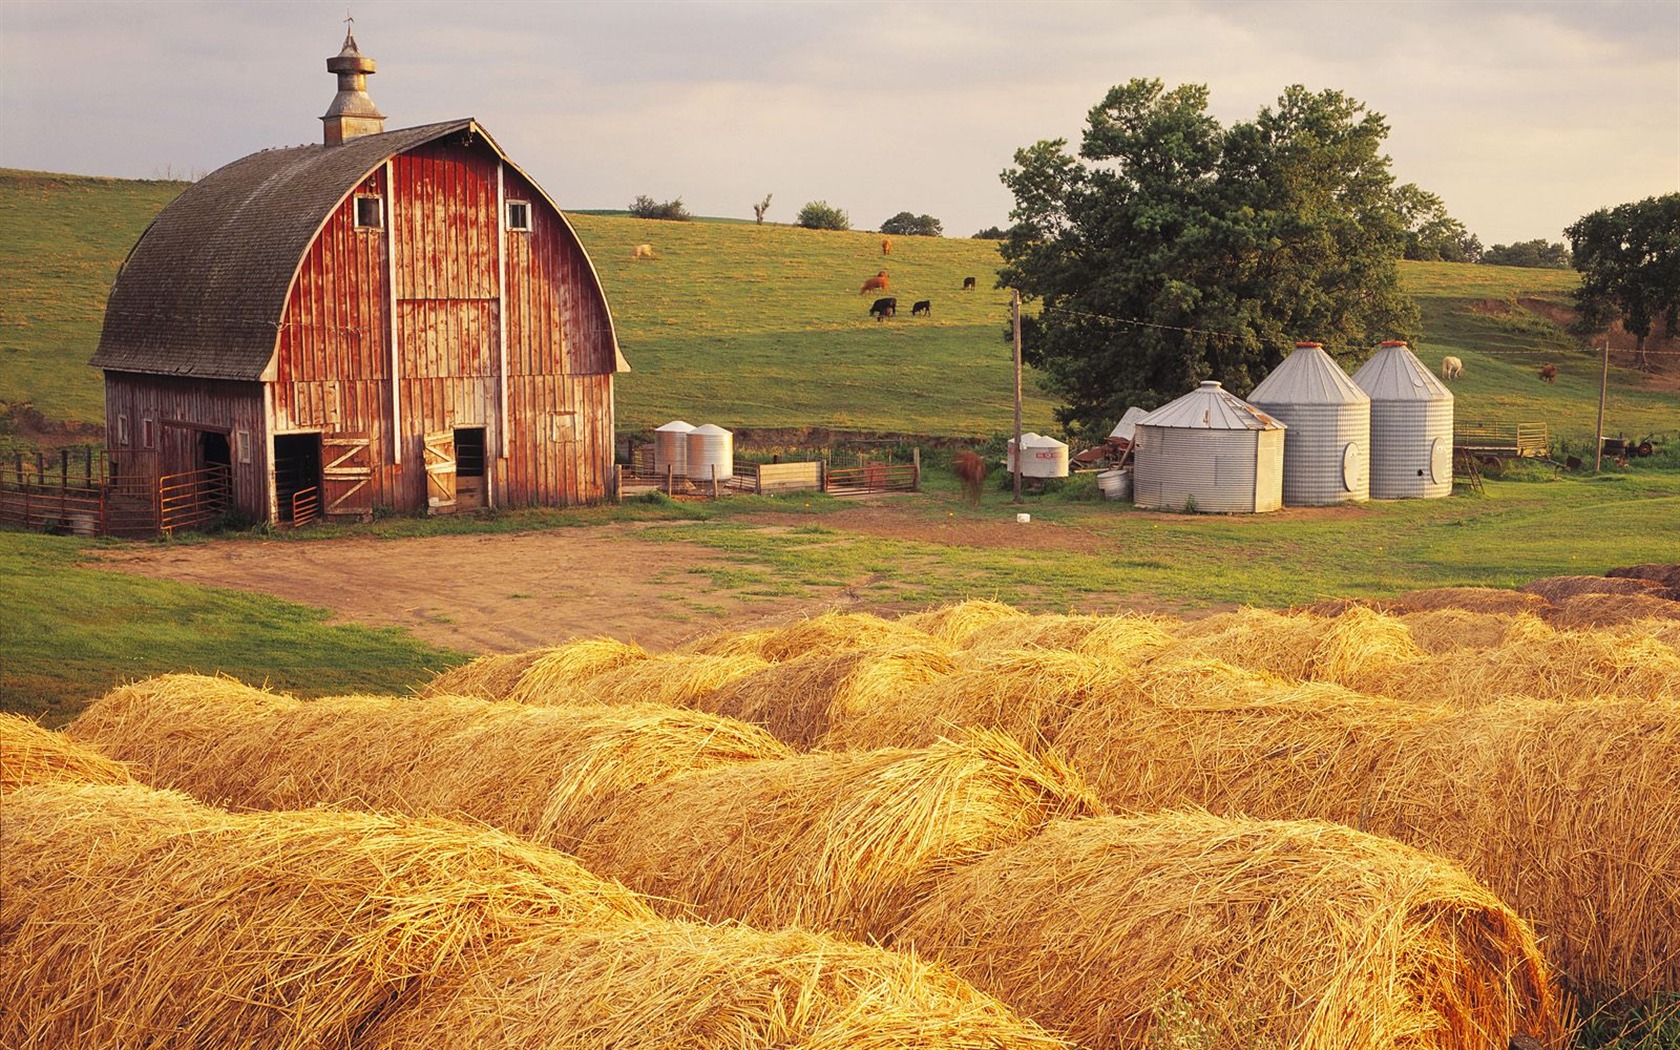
{"type": "Point", "coordinates": [645, 207]}
{"type": "Point", "coordinates": [1629, 259]}
{"type": "Point", "coordinates": [1431, 234]}
{"type": "Point", "coordinates": [1171, 250]}
{"type": "Point", "coordinates": [760, 208]}
{"type": "Point", "coordinates": [906, 225]}
{"type": "Point", "coordinates": [821, 215]}
{"type": "Point", "coordinates": [1539, 254]}
{"type": "Point", "coordinates": [991, 233]}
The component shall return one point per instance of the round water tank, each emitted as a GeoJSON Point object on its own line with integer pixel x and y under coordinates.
{"type": "Point", "coordinates": [710, 447]}
{"type": "Point", "coordinates": [670, 448]}
{"type": "Point", "coordinates": [1041, 457]}
{"type": "Point", "coordinates": [1115, 484]}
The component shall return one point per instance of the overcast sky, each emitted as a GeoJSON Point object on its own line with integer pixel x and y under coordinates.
{"type": "Point", "coordinates": [1521, 116]}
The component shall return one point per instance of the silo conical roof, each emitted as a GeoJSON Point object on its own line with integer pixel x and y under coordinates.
{"type": "Point", "coordinates": [1123, 429]}
{"type": "Point", "coordinates": [1308, 376]}
{"type": "Point", "coordinates": [1210, 407]}
{"type": "Point", "coordinates": [1395, 374]}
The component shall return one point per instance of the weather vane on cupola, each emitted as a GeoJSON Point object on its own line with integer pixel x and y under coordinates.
{"type": "Point", "coordinates": [352, 113]}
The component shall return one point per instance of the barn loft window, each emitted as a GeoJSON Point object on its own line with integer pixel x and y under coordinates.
{"type": "Point", "coordinates": [242, 445]}
{"type": "Point", "coordinates": [370, 213]}
{"type": "Point", "coordinates": [122, 431]}
{"type": "Point", "coordinates": [518, 215]}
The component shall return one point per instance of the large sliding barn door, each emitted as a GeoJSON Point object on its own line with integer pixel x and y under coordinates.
{"type": "Point", "coordinates": [439, 454]}
{"type": "Point", "coordinates": [346, 474]}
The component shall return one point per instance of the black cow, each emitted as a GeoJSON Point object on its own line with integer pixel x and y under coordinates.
{"type": "Point", "coordinates": [968, 284]}
{"type": "Point", "coordinates": [883, 309]}
{"type": "Point", "coordinates": [923, 307]}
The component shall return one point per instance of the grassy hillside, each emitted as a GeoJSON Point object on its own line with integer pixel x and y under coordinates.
{"type": "Point", "coordinates": [62, 238]}
{"type": "Point", "coordinates": [762, 326]}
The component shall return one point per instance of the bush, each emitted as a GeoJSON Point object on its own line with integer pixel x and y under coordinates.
{"type": "Point", "coordinates": [1539, 254]}
{"type": "Point", "coordinates": [645, 207]}
{"type": "Point", "coordinates": [906, 225]}
{"type": "Point", "coordinates": [821, 215]}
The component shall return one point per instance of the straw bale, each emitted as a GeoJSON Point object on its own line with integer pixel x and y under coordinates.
{"type": "Point", "coordinates": [826, 632]}
{"type": "Point", "coordinates": [673, 679]}
{"type": "Point", "coordinates": [570, 665]}
{"type": "Point", "coordinates": [1441, 630]}
{"type": "Point", "coordinates": [1566, 809]}
{"type": "Point", "coordinates": [543, 773]}
{"type": "Point", "coordinates": [492, 676]}
{"type": "Point", "coordinates": [1118, 638]}
{"type": "Point", "coordinates": [1538, 662]}
{"type": "Point", "coordinates": [1474, 599]}
{"type": "Point", "coordinates": [957, 622]}
{"type": "Point", "coordinates": [802, 700]}
{"type": "Point", "coordinates": [1355, 649]}
{"type": "Point", "coordinates": [1026, 693]}
{"type": "Point", "coordinates": [1665, 573]}
{"type": "Point", "coordinates": [33, 754]}
{"type": "Point", "coordinates": [1663, 631]}
{"type": "Point", "coordinates": [1556, 588]}
{"type": "Point", "coordinates": [138, 918]}
{"type": "Point", "coordinates": [683, 986]}
{"type": "Point", "coordinates": [843, 842]}
{"type": "Point", "coordinates": [1603, 610]}
{"type": "Point", "coordinates": [1300, 934]}
{"type": "Point", "coordinates": [730, 643]}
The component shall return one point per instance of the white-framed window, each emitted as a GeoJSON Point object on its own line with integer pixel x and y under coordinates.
{"type": "Point", "coordinates": [148, 434]}
{"type": "Point", "coordinates": [122, 430]}
{"type": "Point", "coordinates": [519, 215]}
{"type": "Point", "coordinates": [242, 445]}
{"type": "Point", "coordinates": [370, 212]}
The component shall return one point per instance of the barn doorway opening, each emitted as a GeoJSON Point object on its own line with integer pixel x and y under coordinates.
{"type": "Point", "coordinates": [297, 477]}
{"type": "Point", "coordinates": [214, 450]}
{"type": "Point", "coordinates": [471, 488]}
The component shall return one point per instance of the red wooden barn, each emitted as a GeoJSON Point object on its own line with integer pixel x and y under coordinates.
{"type": "Point", "coordinates": [397, 319]}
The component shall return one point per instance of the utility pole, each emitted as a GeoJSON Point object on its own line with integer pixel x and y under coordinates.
{"type": "Point", "coordinates": [1015, 321]}
{"type": "Point", "coordinates": [1603, 385]}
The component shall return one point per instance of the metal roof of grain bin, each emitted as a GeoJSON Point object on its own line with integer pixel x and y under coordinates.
{"type": "Point", "coordinates": [1327, 449]}
{"type": "Point", "coordinates": [711, 453]}
{"type": "Point", "coordinates": [670, 447]}
{"type": "Point", "coordinates": [1123, 430]}
{"type": "Point", "coordinates": [1411, 425]}
{"type": "Point", "coordinates": [1210, 450]}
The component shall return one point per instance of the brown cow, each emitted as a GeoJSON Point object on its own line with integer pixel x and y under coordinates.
{"type": "Point", "coordinates": [1548, 373]}
{"type": "Point", "coordinates": [886, 245]}
{"type": "Point", "coordinates": [972, 470]}
{"type": "Point", "coordinates": [877, 283]}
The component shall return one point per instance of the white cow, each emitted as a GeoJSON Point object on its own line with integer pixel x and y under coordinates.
{"type": "Point", "coordinates": [1451, 368]}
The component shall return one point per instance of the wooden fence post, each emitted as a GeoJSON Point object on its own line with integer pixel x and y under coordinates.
{"type": "Point", "coordinates": [916, 475]}
{"type": "Point", "coordinates": [714, 481]}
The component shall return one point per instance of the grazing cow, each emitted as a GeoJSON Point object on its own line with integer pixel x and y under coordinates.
{"type": "Point", "coordinates": [886, 245]}
{"type": "Point", "coordinates": [922, 307]}
{"type": "Point", "coordinates": [877, 283]}
{"type": "Point", "coordinates": [883, 309]}
{"type": "Point", "coordinates": [642, 251]}
{"type": "Point", "coordinates": [1548, 373]}
{"type": "Point", "coordinates": [968, 284]}
{"type": "Point", "coordinates": [971, 469]}
{"type": "Point", "coordinates": [1451, 368]}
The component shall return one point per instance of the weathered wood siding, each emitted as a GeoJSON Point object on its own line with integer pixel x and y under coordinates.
{"type": "Point", "coordinates": [177, 409]}
{"type": "Point", "coordinates": [560, 364]}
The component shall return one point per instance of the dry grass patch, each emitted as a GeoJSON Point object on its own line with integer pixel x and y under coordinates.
{"type": "Point", "coordinates": [1300, 934]}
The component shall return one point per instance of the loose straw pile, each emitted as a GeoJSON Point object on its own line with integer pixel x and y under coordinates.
{"type": "Point", "coordinates": [30, 754]}
{"type": "Point", "coordinates": [1300, 934]}
{"type": "Point", "coordinates": [842, 842]}
{"type": "Point", "coordinates": [672, 679]}
{"type": "Point", "coordinates": [566, 667]}
{"type": "Point", "coordinates": [956, 623]}
{"type": "Point", "coordinates": [1355, 649]}
{"type": "Point", "coordinates": [1114, 638]}
{"type": "Point", "coordinates": [828, 632]}
{"type": "Point", "coordinates": [544, 773]}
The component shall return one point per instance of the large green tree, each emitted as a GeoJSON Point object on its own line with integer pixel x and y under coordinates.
{"type": "Point", "coordinates": [1629, 258]}
{"type": "Point", "coordinates": [1170, 249]}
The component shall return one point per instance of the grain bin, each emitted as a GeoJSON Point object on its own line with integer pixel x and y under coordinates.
{"type": "Point", "coordinates": [710, 447]}
{"type": "Point", "coordinates": [1122, 431]}
{"type": "Point", "coordinates": [670, 448]}
{"type": "Point", "coordinates": [1327, 448]}
{"type": "Point", "coordinates": [1411, 425]}
{"type": "Point", "coordinates": [1041, 457]}
{"type": "Point", "coordinates": [1209, 451]}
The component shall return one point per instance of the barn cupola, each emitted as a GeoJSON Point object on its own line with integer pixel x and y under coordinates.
{"type": "Point", "coordinates": [352, 113]}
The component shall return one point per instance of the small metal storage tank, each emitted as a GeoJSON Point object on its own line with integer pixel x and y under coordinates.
{"type": "Point", "coordinates": [1327, 448]}
{"type": "Point", "coordinates": [670, 448]}
{"type": "Point", "coordinates": [1209, 449]}
{"type": "Point", "coordinates": [1411, 425]}
{"type": "Point", "coordinates": [710, 446]}
{"type": "Point", "coordinates": [1042, 457]}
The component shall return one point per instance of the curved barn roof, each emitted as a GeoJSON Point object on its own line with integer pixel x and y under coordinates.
{"type": "Point", "coordinates": [203, 291]}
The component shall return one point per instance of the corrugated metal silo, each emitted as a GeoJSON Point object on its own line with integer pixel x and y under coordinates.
{"type": "Point", "coordinates": [1411, 425]}
{"type": "Point", "coordinates": [1327, 449]}
{"type": "Point", "coordinates": [1211, 450]}
{"type": "Point", "coordinates": [670, 448]}
{"type": "Point", "coordinates": [710, 447]}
